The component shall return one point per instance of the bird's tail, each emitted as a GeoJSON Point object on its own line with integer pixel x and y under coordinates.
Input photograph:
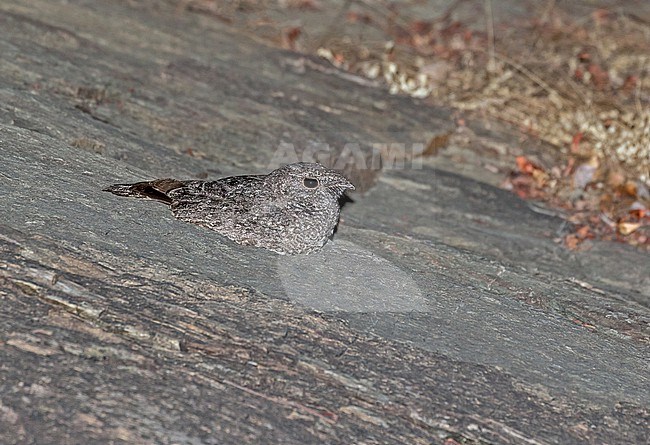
{"type": "Point", "coordinates": [156, 190]}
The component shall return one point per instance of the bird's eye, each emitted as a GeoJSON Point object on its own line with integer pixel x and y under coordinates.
{"type": "Point", "coordinates": [310, 183]}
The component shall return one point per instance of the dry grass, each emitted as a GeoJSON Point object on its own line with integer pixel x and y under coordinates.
{"type": "Point", "coordinates": [583, 87]}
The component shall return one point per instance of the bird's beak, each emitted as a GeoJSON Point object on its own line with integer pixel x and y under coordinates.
{"type": "Point", "coordinates": [347, 185]}
{"type": "Point", "coordinates": [339, 183]}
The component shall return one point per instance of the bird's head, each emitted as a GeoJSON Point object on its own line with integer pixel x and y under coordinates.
{"type": "Point", "coordinates": [307, 178]}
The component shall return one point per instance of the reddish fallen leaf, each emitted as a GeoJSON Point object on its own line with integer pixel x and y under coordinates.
{"type": "Point", "coordinates": [569, 166]}
{"type": "Point", "coordinates": [599, 77]}
{"type": "Point", "coordinates": [289, 37]}
{"type": "Point", "coordinates": [571, 242]}
{"type": "Point", "coordinates": [601, 16]}
{"type": "Point", "coordinates": [575, 143]}
{"type": "Point", "coordinates": [630, 188]}
{"type": "Point", "coordinates": [526, 166]}
{"type": "Point", "coordinates": [304, 5]}
{"type": "Point", "coordinates": [421, 27]}
{"type": "Point", "coordinates": [630, 83]}
{"type": "Point", "coordinates": [605, 202]}
{"type": "Point", "coordinates": [357, 17]}
{"type": "Point", "coordinates": [639, 213]}
{"type": "Point", "coordinates": [584, 232]}
{"type": "Point", "coordinates": [524, 186]}
{"type": "Point", "coordinates": [468, 35]}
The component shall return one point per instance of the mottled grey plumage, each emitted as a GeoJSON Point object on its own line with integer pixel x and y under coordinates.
{"type": "Point", "coordinates": [293, 209]}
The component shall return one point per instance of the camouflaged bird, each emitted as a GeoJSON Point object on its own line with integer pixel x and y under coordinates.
{"type": "Point", "coordinates": [292, 210]}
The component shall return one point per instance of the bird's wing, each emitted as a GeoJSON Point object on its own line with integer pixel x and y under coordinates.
{"type": "Point", "coordinates": [216, 190]}
{"type": "Point", "coordinates": [215, 203]}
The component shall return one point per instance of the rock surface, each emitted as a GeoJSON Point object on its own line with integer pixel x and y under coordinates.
{"type": "Point", "coordinates": [441, 311]}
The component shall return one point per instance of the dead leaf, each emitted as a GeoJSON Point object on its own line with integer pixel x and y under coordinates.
{"type": "Point", "coordinates": [638, 210]}
{"type": "Point", "coordinates": [584, 232]}
{"type": "Point", "coordinates": [630, 83]}
{"type": "Point", "coordinates": [630, 188]}
{"type": "Point", "coordinates": [575, 142]}
{"type": "Point", "coordinates": [358, 17]}
{"type": "Point", "coordinates": [436, 143]}
{"type": "Point", "coordinates": [526, 166]}
{"type": "Point", "coordinates": [289, 37]}
{"type": "Point", "coordinates": [540, 177]}
{"type": "Point", "coordinates": [571, 242]}
{"type": "Point", "coordinates": [599, 77]}
{"type": "Point", "coordinates": [626, 228]}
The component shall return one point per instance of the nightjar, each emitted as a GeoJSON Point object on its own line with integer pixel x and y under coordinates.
{"type": "Point", "coordinates": [292, 210]}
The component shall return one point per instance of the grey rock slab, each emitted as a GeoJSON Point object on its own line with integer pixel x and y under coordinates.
{"type": "Point", "coordinates": [344, 277]}
{"type": "Point", "coordinates": [418, 289]}
{"type": "Point", "coordinates": [430, 204]}
{"type": "Point", "coordinates": [206, 92]}
{"type": "Point", "coordinates": [441, 309]}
